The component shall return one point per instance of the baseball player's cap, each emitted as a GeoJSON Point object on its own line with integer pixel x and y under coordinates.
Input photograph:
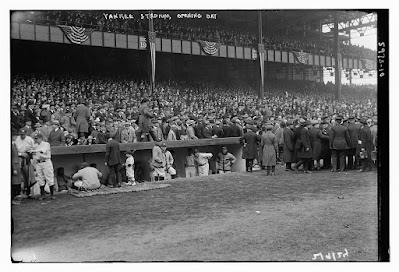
{"type": "Point", "coordinates": [22, 131]}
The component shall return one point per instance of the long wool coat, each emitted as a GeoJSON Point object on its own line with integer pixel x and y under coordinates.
{"type": "Point", "coordinates": [288, 145]}
{"type": "Point", "coordinates": [82, 115]}
{"type": "Point", "coordinates": [305, 143]}
{"type": "Point", "coordinates": [250, 140]}
{"type": "Point", "coordinates": [269, 146]}
{"type": "Point", "coordinates": [316, 137]}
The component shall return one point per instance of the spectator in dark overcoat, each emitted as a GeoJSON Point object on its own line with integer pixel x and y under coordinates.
{"type": "Point", "coordinates": [304, 145]}
{"type": "Point", "coordinates": [250, 141]}
{"type": "Point", "coordinates": [339, 144]}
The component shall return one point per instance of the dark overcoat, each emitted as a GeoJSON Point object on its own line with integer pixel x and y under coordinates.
{"type": "Point", "coordinates": [251, 141]}
{"type": "Point", "coordinates": [353, 130]}
{"type": "Point", "coordinates": [112, 153]}
{"type": "Point", "coordinates": [340, 138]}
{"type": "Point", "coordinates": [306, 143]}
{"type": "Point", "coordinates": [82, 115]}
{"type": "Point", "coordinates": [288, 145]}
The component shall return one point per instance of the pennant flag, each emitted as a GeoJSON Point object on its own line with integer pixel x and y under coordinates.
{"type": "Point", "coordinates": [209, 47]}
{"type": "Point", "coordinates": [151, 40]}
{"type": "Point", "coordinates": [75, 34]}
{"type": "Point", "coordinates": [368, 64]}
{"type": "Point", "coordinates": [302, 57]}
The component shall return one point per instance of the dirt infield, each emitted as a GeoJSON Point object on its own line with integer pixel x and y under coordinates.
{"type": "Point", "coordinates": [233, 217]}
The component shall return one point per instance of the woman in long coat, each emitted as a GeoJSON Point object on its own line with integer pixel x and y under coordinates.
{"type": "Point", "coordinates": [250, 141]}
{"type": "Point", "coordinates": [288, 145]}
{"type": "Point", "coordinates": [269, 146]}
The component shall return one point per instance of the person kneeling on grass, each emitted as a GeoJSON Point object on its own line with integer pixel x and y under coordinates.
{"type": "Point", "coordinates": [129, 167]}
{"type": "Point", "coordinates": [88, 178]}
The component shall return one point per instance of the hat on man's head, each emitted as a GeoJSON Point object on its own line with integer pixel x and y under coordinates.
{"type": "Point", "coordinates": [38, 135]}
{"type": "Point", "coordinates": [14, 132]}
{"type": "Point", "coordinates": [22, 131]}
{"type": "Point", "coordinates": [268, 127]}
{"type": "Point", "coordinates": [56, 122]}
{"type": "Point", "coordinates": [190, 122]}
{"type": "Point", "coordinates": [302, 121]}
{"type": "Point", "coordinates": [314, 122]}
{"type": "Point", "coordinates": [144, 100]}
{"type": "Point", "coordinates": [306, 123]}
{"type": "Point", "coordinates": [363, 120]}
{"type": "Point", "coordinates": [338, 117]}
{"type": "Point", "coordinates": [290, 122]}
{"type": "Point", "coordinates": [84, 165]}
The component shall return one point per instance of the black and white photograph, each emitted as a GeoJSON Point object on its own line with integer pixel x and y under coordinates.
{"type": "Point", "coordinates": [145, 135]}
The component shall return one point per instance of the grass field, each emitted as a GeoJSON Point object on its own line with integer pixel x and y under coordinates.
{"type": "Point", "coordinates": [233, 217]}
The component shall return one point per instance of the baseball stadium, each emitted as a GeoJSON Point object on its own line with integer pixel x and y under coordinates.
{"type": "Point", "coordinates": [196, 136]}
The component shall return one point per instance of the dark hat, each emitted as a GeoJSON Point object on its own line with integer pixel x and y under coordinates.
{"type": "Point", "coordinates": [363, 120]}
{"type": "Point", "coordinates": [14, 132]}
{"type": "Point", "coordinates": [22, 131]}
{"type": "Point", "coordinates": [289, 122]}
{"type": "Point", "coordinates": [38, 135]}
{"type": "Point", "coordinates": [268, 127]}
{"type": "Point", "coordinates": [144, 100]}
{"type": "Point", "coordinates": [306, 123]}
{"type": "Point", "coordinates": [339, 117]}
{"type": "Point", "coordinates": [351, 118]}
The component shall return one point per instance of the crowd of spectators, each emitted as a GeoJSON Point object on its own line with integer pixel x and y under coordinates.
{"type": "Point", "coordinates": [114, 103]}
{"type": "Point", "coordinates": [193, 30]}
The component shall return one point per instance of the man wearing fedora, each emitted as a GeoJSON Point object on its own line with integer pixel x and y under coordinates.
{"type": "Point", "coordinates": [339, 144]}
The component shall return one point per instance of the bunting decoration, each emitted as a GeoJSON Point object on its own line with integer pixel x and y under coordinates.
{"type": "Point", "coordinates": [301, 57]}
{"type": "Point", "coordinates": [209, 47]}
{"type": "Point", "coordinates": [368, 64]}
{"type": "Point", "coordinates": [75, 34]}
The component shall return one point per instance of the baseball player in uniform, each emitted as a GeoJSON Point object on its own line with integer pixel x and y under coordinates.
{"type": "Point", "coordinates": [44, 169]}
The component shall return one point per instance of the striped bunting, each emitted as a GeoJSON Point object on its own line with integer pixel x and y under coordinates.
{"type": "Point", "coordinates": [209, 47]}
{"type": "Point", "coordinates": [76, 35]}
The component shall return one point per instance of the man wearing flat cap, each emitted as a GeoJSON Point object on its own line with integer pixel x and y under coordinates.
{"type": "Point", "coordinates": [57, 136]}
{"type": "Point", "coordinates": [339, 144]}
